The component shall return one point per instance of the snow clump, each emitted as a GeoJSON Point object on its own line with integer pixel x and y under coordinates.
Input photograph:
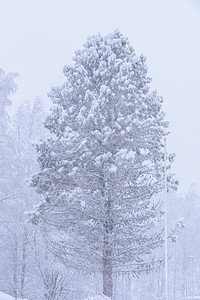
{"type": "Point", "coordinates": [97, 297]}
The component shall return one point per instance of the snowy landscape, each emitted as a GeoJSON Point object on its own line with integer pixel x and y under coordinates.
{"type": "Point", "coordinates": [99, 182]}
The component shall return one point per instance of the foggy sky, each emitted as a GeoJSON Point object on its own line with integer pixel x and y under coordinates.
{"type": "Point", "coordinates": [38, 37]}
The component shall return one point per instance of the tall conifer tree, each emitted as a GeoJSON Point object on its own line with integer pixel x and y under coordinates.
{"type": "Point", "coordinates": [103, 166]}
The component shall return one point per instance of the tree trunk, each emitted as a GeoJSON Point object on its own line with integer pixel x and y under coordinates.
{"type": "Point", "coordinates": [23, 270]}
{"type": "Point", "coordinates": [107, 243]}
{"type": "Point", "coordinates": [107, 252]}
{"type": "Point", "coordinates": [107, 279]}
{"type": "Point", "coordinates": [15, 265]}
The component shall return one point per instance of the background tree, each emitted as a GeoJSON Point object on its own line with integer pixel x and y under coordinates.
{"type": "Point", "coordinates": [102, 168]}
{"type": "Point", "coordinates": [7, 87]}
{"type": "Point", "coordinates": [17, 263]}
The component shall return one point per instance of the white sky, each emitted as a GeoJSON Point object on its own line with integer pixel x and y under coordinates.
{"type": "Point", "coordinates": [38, 37]}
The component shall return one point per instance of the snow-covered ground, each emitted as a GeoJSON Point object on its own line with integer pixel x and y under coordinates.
{"type": "Point", "coordinates": [4, 296]}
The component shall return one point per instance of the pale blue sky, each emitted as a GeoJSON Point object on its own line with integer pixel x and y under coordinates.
{"type": "Point", "coordinates": [38, 37]}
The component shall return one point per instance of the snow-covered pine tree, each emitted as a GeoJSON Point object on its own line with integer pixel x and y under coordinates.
{"type": "Point", "coordinates": [104, 162]}
{"type": "Point", "coordinates": [7, 87]}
